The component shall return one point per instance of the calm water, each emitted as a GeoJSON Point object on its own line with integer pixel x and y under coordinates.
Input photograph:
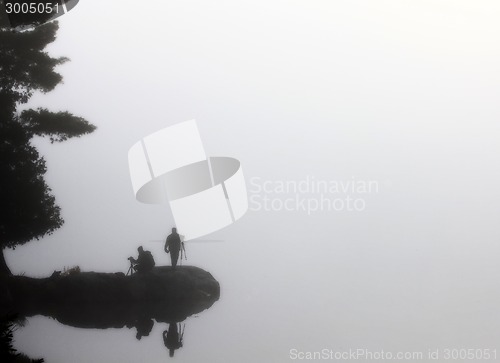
{"type": "Point", "coordinates": [277, 295]}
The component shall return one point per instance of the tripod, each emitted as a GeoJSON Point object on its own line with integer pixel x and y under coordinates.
{"type": "Point", "coordinates": [130, 269]}
{"type": "Point", "coordinates": [183, 253]}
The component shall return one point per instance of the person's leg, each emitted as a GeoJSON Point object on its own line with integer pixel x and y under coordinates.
{"type": "Point", "coordinates": [174, 255]}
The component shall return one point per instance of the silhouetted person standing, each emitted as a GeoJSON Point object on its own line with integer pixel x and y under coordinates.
{"type": "Point", "coordinates": [171, 338]}
{"type": "Point", "coordinates": [144, 262]}
{"type": "Point", "coordinates": [173, 246]}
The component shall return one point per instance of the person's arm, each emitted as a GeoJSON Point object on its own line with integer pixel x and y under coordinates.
{"type": "Point", "coordinates": [166, 246]}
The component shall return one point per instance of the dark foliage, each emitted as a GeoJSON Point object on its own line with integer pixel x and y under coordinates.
{"type": "Point", "coordinates": [59, 126]}
{"type": "Point", "coordinates": [9, 354]}
{"type": "Point", "coordinates": [27, 206]}
{"type": "Point", "coordinates": [7, 350]}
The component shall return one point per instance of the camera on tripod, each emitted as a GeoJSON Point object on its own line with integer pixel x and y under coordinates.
{"type": "Point", "coordinates": [131, 268]}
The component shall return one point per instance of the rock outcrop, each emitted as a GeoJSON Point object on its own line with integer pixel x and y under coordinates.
{"type": "Point", "coordinates": [102, 300]}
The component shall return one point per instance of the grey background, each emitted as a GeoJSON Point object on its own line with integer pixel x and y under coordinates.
{"type": "Point", "coordinates": [403, 92]}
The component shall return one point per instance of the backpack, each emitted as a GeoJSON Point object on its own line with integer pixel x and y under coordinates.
{"type": "Point", "coordinates": [149, 261]}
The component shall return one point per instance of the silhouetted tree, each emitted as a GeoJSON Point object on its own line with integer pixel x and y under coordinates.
{"type": "Point", "coordinates": [27, 207]}
{"type": "Point", "coordinates": [7, 350]}
{"type": "Point", "coordinates": [8, 353]}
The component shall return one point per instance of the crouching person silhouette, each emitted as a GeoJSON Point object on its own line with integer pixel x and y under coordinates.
{"type": "Point", "coordinates": [144, 262]}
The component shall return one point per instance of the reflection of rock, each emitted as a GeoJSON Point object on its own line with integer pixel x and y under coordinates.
{"type": "Point", "coordinates": [106, 300]}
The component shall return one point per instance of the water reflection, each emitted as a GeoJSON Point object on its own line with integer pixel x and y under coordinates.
{"type": "Point", "coordinates": [172, 338]}
{"type": "Point", "coordinates": [144, 327]}
{"type": "Point", "coordinates": [141, 316]}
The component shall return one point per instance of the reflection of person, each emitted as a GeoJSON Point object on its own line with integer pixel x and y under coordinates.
{"type": "Point", "coordinates": [144, 261]}
{"type": "Point", "coordinates": [173, 246]}
{"type": "Point", "coordinates": [144, 327]}
{"type": "Point", "coordinates": [171, 338]}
